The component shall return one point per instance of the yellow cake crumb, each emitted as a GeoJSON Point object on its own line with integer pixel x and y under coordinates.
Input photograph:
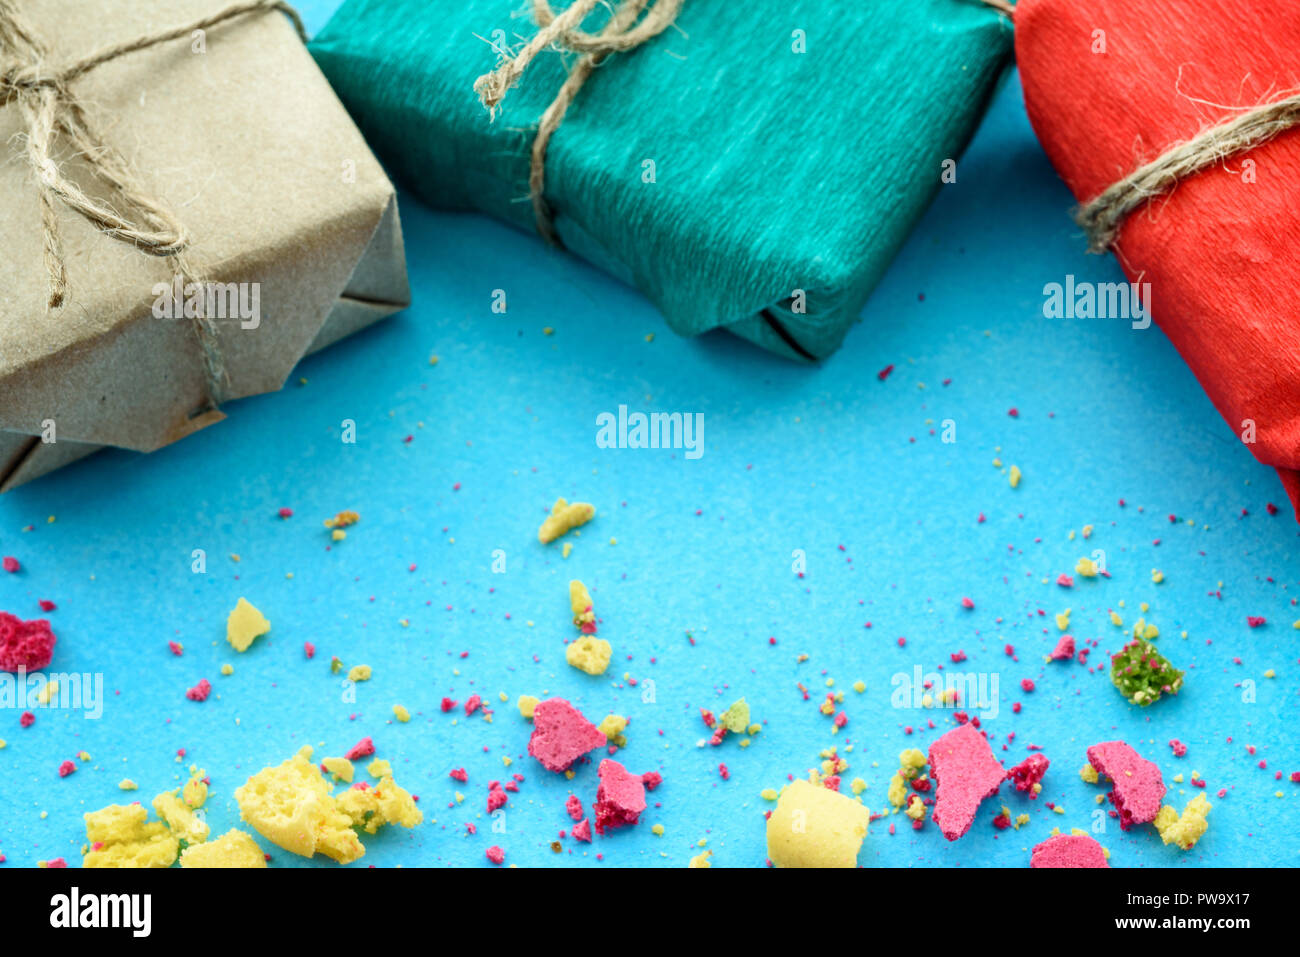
{"type": "Point", "coordinates": [290, 804]}
{"type": "Point", "coordinates": [1187, 828]}
{"type": "Point", "coordinates": [119, 836]}
{"type": "Point", "coordinates": [401, 714]}
{"type": "Point", "coordinates": [180, 818]}
{"type": "Point", "coordinates": [910, 763]}
{"type": "Point", "coordinates": [897, 792]}
{"type": "Point", "coordinates": [916, 808]}
{"type": "Point", "coordinates": [379, 768]}
{"type": "Point", "coordinates": [527, 705]}
{"type": "Point", "coordinates": [584, 615]}
{"type": "Point", "coordinates": [1086, 567]}
{"type": "Point", "coordinates": [232, 849]}
{"type": "Point", "coordinates": [385, 803]}
{"type": "Point", "coordinates": [563, 518]}
{"type": "Point", "coordinates": [195, 792]}
{"type": "Point", "coordinates": [227, 669]}
{"type": "Point", "coordinates": [341, 768]}
{"type": "Point", "coordinates": [612, 727]}
{"type": "Point", "coordinates": [1014, 477]}
{"type": "Point", "coordinates": [589, 654]}
{"type": "Point", "coordinates": [815, 827]}
{"type": "Point", "coordinates": [768, 794]}
{"type": "Point", "coordinates": [244, 624]}
{"type": "Point", "coordinates": [701, 859]}
{"type": "Point", "coordinates": [1088, 773]}
{"type": "Point", "coordinates": [343, 519]}
{"type": "Point", "coordinates": [126, 784]}
{"type": "Point", "coordinates": [657, 830]}
{"type": "Point", "coordinates": [359, 673]}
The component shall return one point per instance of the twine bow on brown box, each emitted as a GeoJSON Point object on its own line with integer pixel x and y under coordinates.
{"type": "Point", "coordinates": [50, 108]}
{"type": "Point", "coordinates": [231, 174]}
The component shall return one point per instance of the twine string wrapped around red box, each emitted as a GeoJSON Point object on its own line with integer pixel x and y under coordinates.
{"type": "Point", "coordinates": [50, 108]}
{"type": "Point", "coordinates": [1102, 217]}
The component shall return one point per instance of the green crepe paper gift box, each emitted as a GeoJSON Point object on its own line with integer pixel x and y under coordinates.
{"type": "Point", "coordinates": [753, 167]}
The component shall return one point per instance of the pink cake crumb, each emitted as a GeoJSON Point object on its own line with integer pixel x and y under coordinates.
{"type": "Point", "coordinates": [473, 704]}
{"type": "Point", "coordinates": [582, 831]}
{"type": "Point", "coordinates": [651, 780]}
{"type": "Point", "coordinates": [620, 797]}
{"type": "Point", "coordinates": [1138, 785]}
{"type": "Point", "coordinates": [362, 749]}
{"type": "Point", "coordinates": [11, 564]}
{"type": "Point", "coordinates": [309, 649]}
{"type": "Point", "coordinates": [25, 644]}
{"type": "Point", "coordinates": [66, 768]}
{"type": "Point", "coordinates": [1068, 850]}
{"type": "Point", "coordinates": [496, 855]}
{"type": "Point", "coordinates": [496, 797]}
{"type": "Point", "coordinates": [561, 735]}
{"type": "Point", "coordinates": [200, 691]}
{"type": "Point", "coordinates": [965, 772]}
{"type": "Point", "coordinates": [573, 807]}
{"type": "Point", "coordinates": [26, 719]}
{"type": "Point", "coordinates": [57, 863]}
{"type": "Point", "coordinates": [1064, 649]}
{"type": "Point", "coordinates": [459, 774]}
{"type": "Point", "coordinates": [1178, 748]}
{"type": "Point", "coordinates": [1029, 772]}
{"type": "Point", "coordinates": [448, 704]}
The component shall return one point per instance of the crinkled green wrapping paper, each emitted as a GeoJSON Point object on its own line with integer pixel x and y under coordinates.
{"type": "Point", "coordinates": [775, 170]}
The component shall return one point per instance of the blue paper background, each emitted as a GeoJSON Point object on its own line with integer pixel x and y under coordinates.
{"type": "Point", "coordinates": [797, 458]}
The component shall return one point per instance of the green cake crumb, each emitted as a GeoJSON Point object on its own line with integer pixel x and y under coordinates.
{"type": "Point", "coordinates": [1142, 674]}
{"type": "Point", "coordinates": [735, 718]}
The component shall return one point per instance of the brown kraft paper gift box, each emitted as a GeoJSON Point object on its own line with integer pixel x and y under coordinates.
{"type": "Point", "coordinates": [235, 132]}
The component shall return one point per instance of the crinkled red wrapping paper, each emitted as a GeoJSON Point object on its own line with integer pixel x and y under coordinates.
{"type": "Point", "coordinates": [1222, 255]}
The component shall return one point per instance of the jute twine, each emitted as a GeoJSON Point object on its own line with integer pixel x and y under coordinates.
{"type": "Point", "coordinates": [622, 32]}
{"type": "Point", "coordinates": [50, 108]}
{"type": "Point", "coordinates": [1102, 218]}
